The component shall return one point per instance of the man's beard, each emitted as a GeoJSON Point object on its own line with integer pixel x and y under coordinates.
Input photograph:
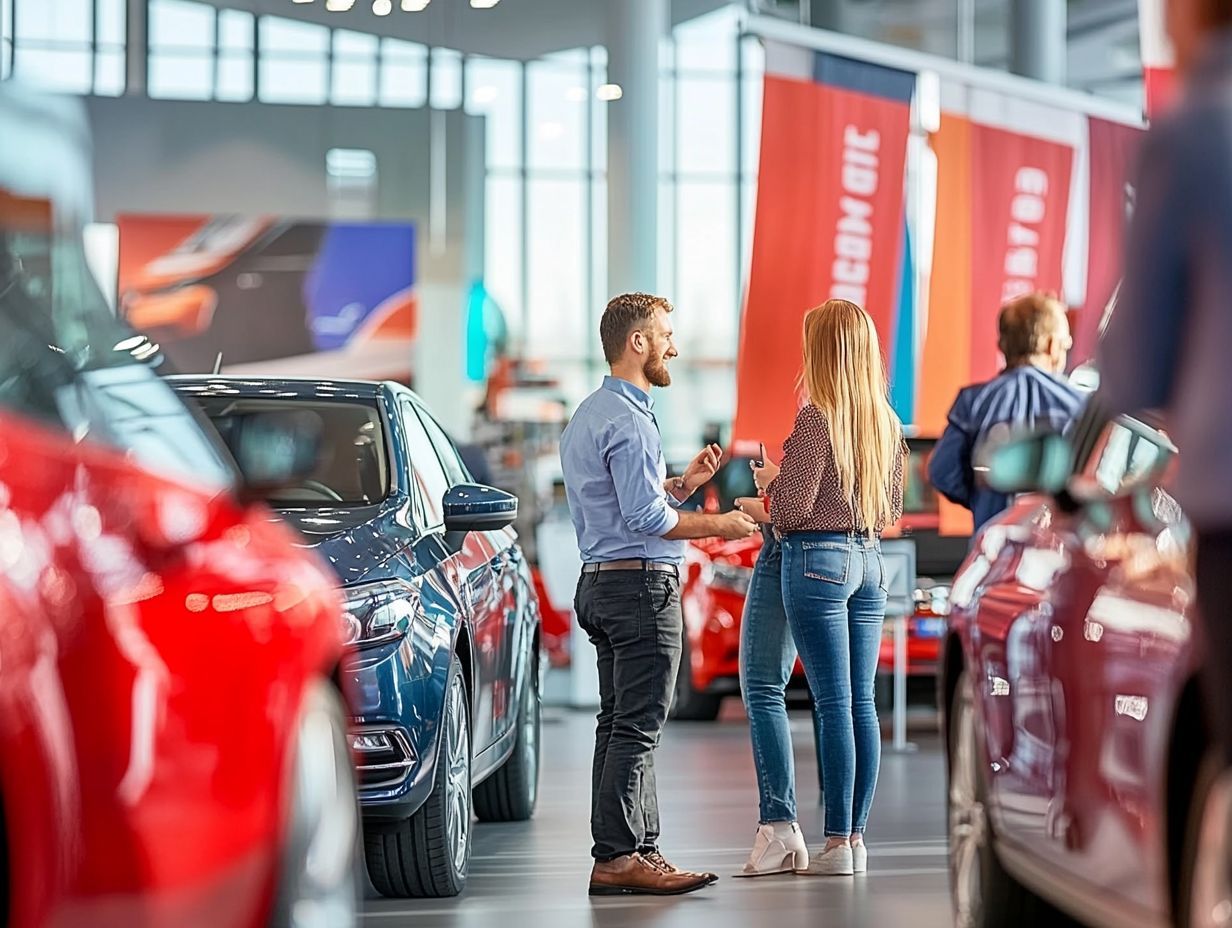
{"type": "Point", "coordinates": [655, 370]}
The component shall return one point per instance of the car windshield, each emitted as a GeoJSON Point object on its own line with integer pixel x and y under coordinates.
{"type": "Point", "coordinates": [352, 469]}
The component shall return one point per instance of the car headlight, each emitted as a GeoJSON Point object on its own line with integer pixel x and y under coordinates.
{"type": "Point", "coordinates": [381, 611]}
{"type": "Point", "coordinates": [734, 578]}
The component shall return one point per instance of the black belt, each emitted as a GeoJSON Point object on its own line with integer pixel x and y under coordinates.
{"type": "Point", "coordinates": [632, 564]}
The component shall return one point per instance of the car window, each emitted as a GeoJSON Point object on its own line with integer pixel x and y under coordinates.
{"type": "Point", "coordinates": [352, 468]}
{"type": "Point", "coordinates": [426, 467]}
{"type": "Point", "coordinates": [455, 470]}
{"type": "Point", "coordinates": [1125, 452]}
{"type": "Point", "coordinates": [66, 360]}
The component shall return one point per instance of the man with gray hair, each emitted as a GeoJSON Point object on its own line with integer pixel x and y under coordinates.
{"type": "Point", "coordinates": [1034, 337]}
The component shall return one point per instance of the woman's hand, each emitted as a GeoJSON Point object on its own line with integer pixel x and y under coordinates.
{"type": "Point", "coordinates": [763, 476]}
{"type": "Point", "coordinates": [755, 508]}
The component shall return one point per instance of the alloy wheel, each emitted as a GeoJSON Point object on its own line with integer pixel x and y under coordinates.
{"type": "Point", "coordinates": [968, 821]}
{"type": "Point", "coordinates": [530, 735]}
{"type": "Point", "coordinates": [458, 776]}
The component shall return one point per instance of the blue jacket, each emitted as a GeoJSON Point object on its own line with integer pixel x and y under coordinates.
{"type": "Point", "coordinates": [1018, 398]}
{"type": "Point", "coordinates": [1168, 345]}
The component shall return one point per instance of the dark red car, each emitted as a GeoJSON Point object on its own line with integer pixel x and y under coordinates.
{"type": "Point", "coordinates": [717, 575]}
{"type": "Point", "coordinates": [173, 743]}
{"type": "Point", "coordinates": [1079, 773]}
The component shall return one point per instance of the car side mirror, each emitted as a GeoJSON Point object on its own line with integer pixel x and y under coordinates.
{"type": "Point", "coordinates": [1041, 462]}
{"type": "Point", "coordinates": [470, 507]}
{"type": "Point", "coordinates": [275, 450]}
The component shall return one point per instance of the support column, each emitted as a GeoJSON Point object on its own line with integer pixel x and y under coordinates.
{"type": "Point", "coordinates": [635, 28]}
{"type": "Point", "coordinates": [137, 49]}
{"type": "Point", "coordinates": [1038, 39]}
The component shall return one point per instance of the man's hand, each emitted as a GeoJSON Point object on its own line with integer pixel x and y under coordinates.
{"type": "Point", "coordinates": [763, 476]}
{"type": "Point", "coordinates": [702, 468]}
{"type": "Point", "coordinates": [735, 525]}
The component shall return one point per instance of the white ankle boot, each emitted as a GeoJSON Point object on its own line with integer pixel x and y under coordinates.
{"type": "Point", "coordinates": [778, 848]}
{"type": "Point", "coordinates": [837, 861]}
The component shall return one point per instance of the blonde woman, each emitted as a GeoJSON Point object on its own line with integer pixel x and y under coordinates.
{"type": "Point", "coordinates": [840, 484]}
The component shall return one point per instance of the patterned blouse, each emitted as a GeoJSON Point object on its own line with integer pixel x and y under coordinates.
{"type": "Point", "coordinates": [806, 495]}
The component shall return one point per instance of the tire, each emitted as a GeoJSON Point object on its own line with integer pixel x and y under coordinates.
{"type": "Point", "coordinates": [428, 855]}
{"type": "Point", "coordinates": [983, 894]}
{"type": "Point", "coordinates": [321, 875]}
{"type": "Point", "coordinates": [689, 704]}
{"type": "Point", "coordinates": [1205, 885]}
{"type": "Point", "coordinates": [509, 795]}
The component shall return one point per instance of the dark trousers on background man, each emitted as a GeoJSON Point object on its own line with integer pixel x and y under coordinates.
{"type": "Point", "coordinates": [1214, 577]}
{"type": "Point", "coordinates": [633, 619]}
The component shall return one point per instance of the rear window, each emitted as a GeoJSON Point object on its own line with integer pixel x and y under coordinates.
{"type": "Point", "coordinates": [353, 467]}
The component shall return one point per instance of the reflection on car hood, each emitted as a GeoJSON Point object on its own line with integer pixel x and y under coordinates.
{"type": "Point", "coordinates": [354, 539]}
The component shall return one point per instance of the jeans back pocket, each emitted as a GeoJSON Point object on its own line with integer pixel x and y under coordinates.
{"type": "Point", "coordinates": [826, 560]}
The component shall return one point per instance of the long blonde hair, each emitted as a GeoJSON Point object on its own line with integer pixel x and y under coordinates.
{"type": "Point", "coordinates": [844, 376]}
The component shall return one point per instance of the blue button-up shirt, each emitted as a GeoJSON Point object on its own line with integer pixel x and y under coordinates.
{"type": "Point", "coordinates": [1019, 398]}
{"type": "Point", "coordinates": [612, 458]}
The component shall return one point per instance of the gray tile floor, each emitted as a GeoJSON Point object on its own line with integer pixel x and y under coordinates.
{"type": "Point", "coordinates": [535, 874]}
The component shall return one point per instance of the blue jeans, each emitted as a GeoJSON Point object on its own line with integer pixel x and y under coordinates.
{"type": "Point", "coordinates": [767, 656]}
{"type": "Point", "coordinates": [834, 589]}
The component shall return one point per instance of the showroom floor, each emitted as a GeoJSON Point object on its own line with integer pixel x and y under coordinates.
{"type": "Point", "coordinates": [535, 874]}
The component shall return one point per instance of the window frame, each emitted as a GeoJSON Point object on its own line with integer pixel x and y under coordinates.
{"type": "Point", "coordinates": [409, 420]}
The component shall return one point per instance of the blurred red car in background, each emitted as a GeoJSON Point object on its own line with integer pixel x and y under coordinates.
{"type": "Point", "coordinates": [716, 580]}
{"type": "Point", "coordinates": [173, 743]}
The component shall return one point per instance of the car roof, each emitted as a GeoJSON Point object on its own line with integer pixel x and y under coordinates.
{"type": "Point", "coordinates": [302, 388]}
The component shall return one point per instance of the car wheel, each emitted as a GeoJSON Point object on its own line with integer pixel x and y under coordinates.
{"type": "Point", "coordinates": [429, 854]}
{"type": "Point", "coordinates": [1205, 890]}
{"type": "Point", "coordinates": [320, 881]}
{"type": "Point", "coordinates": [509, 795]}
{"type": "Point", "coordinates": [984, 895]}
{"type": "Point", "coordinates": [689, 704]}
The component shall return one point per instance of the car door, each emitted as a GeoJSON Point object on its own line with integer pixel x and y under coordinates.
{"type": "Point", "coordinates": [1022, 560]}
{"type": "Point", "coordinates": [499, 596]}
{"type": "Point", "coordinates": [1124, 625]}
{"type": "Point", "coordinates": [464, 558]}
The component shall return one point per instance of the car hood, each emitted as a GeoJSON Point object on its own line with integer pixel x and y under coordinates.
{"type": "Point", "coordinates": [355, 539]}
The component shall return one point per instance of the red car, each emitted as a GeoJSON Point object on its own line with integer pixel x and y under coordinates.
{"type": "Point", "coordinates": [173, 743]}
{"type": "Point", "coordinates": [1080, 775]}
{"type": "Point", "coordinates": [717, 575]}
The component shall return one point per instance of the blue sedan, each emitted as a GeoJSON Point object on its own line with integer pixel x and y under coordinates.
{"type": "Point", "coordinates": [441, 612]}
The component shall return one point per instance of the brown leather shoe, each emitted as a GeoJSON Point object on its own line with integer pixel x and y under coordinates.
{"type": "Point", "coordinates": [656, 857]}
{"type": "Point", "coordinates": [633, 874]}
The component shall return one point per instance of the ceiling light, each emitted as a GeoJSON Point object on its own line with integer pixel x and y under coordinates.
{"type": "Point", "coordinates": [609, 92]}
{"type": "Point", "coordinates": [339, 6]}
{"type": "Point", "coordinates": [382, 7]}
{"type": "Point", "coordinates": [576, 95]}
{"type": "Point", "coordinates": [484, 4]}
{"type": "Point", "coordinates": [301, 1]}
{"type": "Point", "coordinates": [414, 6]}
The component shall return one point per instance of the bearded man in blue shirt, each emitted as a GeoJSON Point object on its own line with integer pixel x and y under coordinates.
{"type": "Point", "coordinates": [631, 535]}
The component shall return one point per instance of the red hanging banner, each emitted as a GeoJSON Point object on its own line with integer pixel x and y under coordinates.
{"type": "Point", "coordinates": [1020, 199]}
{"type": "Point", "coordinates": [829, 224]}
